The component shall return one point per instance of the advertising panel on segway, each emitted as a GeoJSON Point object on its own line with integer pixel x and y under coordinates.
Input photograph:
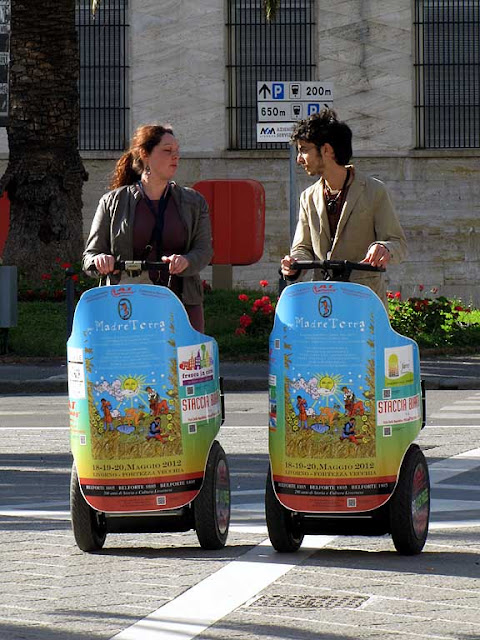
{"type": "Point", "coordinates": [345, 407]}
{"type": "Point", "coordinates": [145, 407]}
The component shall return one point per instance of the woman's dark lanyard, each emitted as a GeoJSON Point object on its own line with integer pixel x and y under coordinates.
{"type": "Point", "coordinates": [156, 239]}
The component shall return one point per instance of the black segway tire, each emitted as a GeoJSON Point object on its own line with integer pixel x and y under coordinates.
{"type": "Point", "coordinates": [283, 529]}
{"type": "Point", "coordinates": [410, 504]}
{"type": "Point", "coordinates": [211, 507]}
{"type": "Point", "coordinates": [88, 525]}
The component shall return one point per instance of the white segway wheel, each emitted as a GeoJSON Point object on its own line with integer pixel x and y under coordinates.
{"type": "Point", "coordinates": [88, 525]}
{"type": "Point", "coordinates": [283, 530]}
{"type": "Point", "coordinates": [211, 507]}
{"type": "Point", "coordinates": [410, 504]}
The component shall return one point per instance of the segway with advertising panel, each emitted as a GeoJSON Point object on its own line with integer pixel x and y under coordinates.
{"type": "Point", "coordinates": [145, 407]}
{"type": "Point", "coordinates": [346, 404]}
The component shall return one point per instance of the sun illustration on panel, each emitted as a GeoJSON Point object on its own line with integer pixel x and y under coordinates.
{"type": "Point", "coordinates": [133, 388]}
{"type": "Point", "coordinates": [329, 386]}
{"type": "Point", "coordinates": [125, 391]}
{"type": "Point", "coordinates": [132, 385]}
{"type": "Point", "coordinates": [320, 390]}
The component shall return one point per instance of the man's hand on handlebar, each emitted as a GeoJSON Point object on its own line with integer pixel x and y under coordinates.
{"type": "Point", "coordinates": [177, 263]}
{"type": "Point", "coordinates": [377, 255]}
{"type": "Point", "coordinates": [104, 264]}
{"type": "Point", "coordinates": [285, 266]}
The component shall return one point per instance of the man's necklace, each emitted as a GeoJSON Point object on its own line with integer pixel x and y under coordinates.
{"type": "Point", "coordinates": [331, 200]}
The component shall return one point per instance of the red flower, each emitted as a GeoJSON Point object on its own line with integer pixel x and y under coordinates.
{"type": "Point", "coordinates": [421, 287]}
{"type": "Point", "coordinates": [265, 300]}
{"type": "Point", "coordinates": [390, 295]}
{"type": "Point", "coordinates": [458, 308]}
{"type": "Point", "coordinates": [240, 331]}
{"type": "Point", "coordinates": [264, 283]}
{"type": "Point", "coordinates": [434, 289]}
{"type": "Point", "coordinates": [75, 277]}
{"type": "Point", "coordinates": [46, 276]}
{"type": "Point", "coordinates": [65, 265]}
{"type": "Point", "coordinates": [397, 295]}
{"type": "Point", "coordinates": [267, 309]}
{"type": "Point", "coordinates": [245, 320]}
{"type": "Point", "coordinates": [243, 297]}
{"type": "Point", "coordinates": [258, 304]}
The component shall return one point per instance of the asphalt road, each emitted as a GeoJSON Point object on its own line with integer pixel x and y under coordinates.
{"type": "Point", "coordinates": [159, 586]}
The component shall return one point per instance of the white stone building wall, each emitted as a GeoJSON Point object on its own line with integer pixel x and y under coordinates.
{"type": "Point", "coordinates": [178, 74]}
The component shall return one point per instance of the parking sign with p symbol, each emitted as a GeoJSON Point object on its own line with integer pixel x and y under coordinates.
{"type": "Point", "coordinates": [278, 91]}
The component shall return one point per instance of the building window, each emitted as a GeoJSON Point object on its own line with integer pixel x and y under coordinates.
{"type": "Point", "coordinates": [103, 84]}
{"type": "Point", "coordinates": [447, 73]}
{"type": "Point", "coordinates": [258, 50]}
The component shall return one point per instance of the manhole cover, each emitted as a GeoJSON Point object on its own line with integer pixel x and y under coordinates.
{"type": "Point", "coordinates": [310, 602]}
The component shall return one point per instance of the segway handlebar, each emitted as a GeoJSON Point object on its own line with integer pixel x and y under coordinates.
{"type": "Point", "coordinates": [135, 267]}
{"type": "Point", "coordinates": [335, 264]}
{"type": "Point", "coordinates": [335, 269]}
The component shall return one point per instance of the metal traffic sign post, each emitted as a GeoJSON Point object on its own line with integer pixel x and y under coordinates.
{"type": "Point", "coordinates": [279, 105]}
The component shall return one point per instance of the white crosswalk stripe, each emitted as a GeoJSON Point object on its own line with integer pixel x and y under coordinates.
{"type": "Point", "coordinates": [465, 410]}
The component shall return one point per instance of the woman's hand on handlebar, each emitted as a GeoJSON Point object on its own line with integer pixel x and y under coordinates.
{"type": "Point", "coordinates": [377, 255]}
{"type": "Point", "coordinates": [285, 266]}
{"type": "Point", "coordinates": [177, 263]}
{"type": "Point", "coordinates": [104, 263]}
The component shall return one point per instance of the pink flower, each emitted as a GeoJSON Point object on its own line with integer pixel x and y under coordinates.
{"type": "Point", "coordinates": [243, 297]}
{"type": "Point", "coordinates": [264, 283]}
{"type": "Point", "coordinates": [434, 289]}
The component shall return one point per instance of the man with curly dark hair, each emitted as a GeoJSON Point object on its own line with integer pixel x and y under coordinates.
{"type": "Point", "coordinates": [345, 215]}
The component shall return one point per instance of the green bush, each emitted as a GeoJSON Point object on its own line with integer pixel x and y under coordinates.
{"type": "Point", "coordinates": [433, 322]}
{"type": "Point", "coordinates": [51, 285]}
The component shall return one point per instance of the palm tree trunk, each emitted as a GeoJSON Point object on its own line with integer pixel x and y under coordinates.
{"type": "Point", "coordinates": [45, 172]}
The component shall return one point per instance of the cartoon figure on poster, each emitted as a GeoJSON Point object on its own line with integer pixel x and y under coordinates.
{"type": "Point", "coordinates": [328, 412]}
{"type": "Point", "coordinates": [138, 417]}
